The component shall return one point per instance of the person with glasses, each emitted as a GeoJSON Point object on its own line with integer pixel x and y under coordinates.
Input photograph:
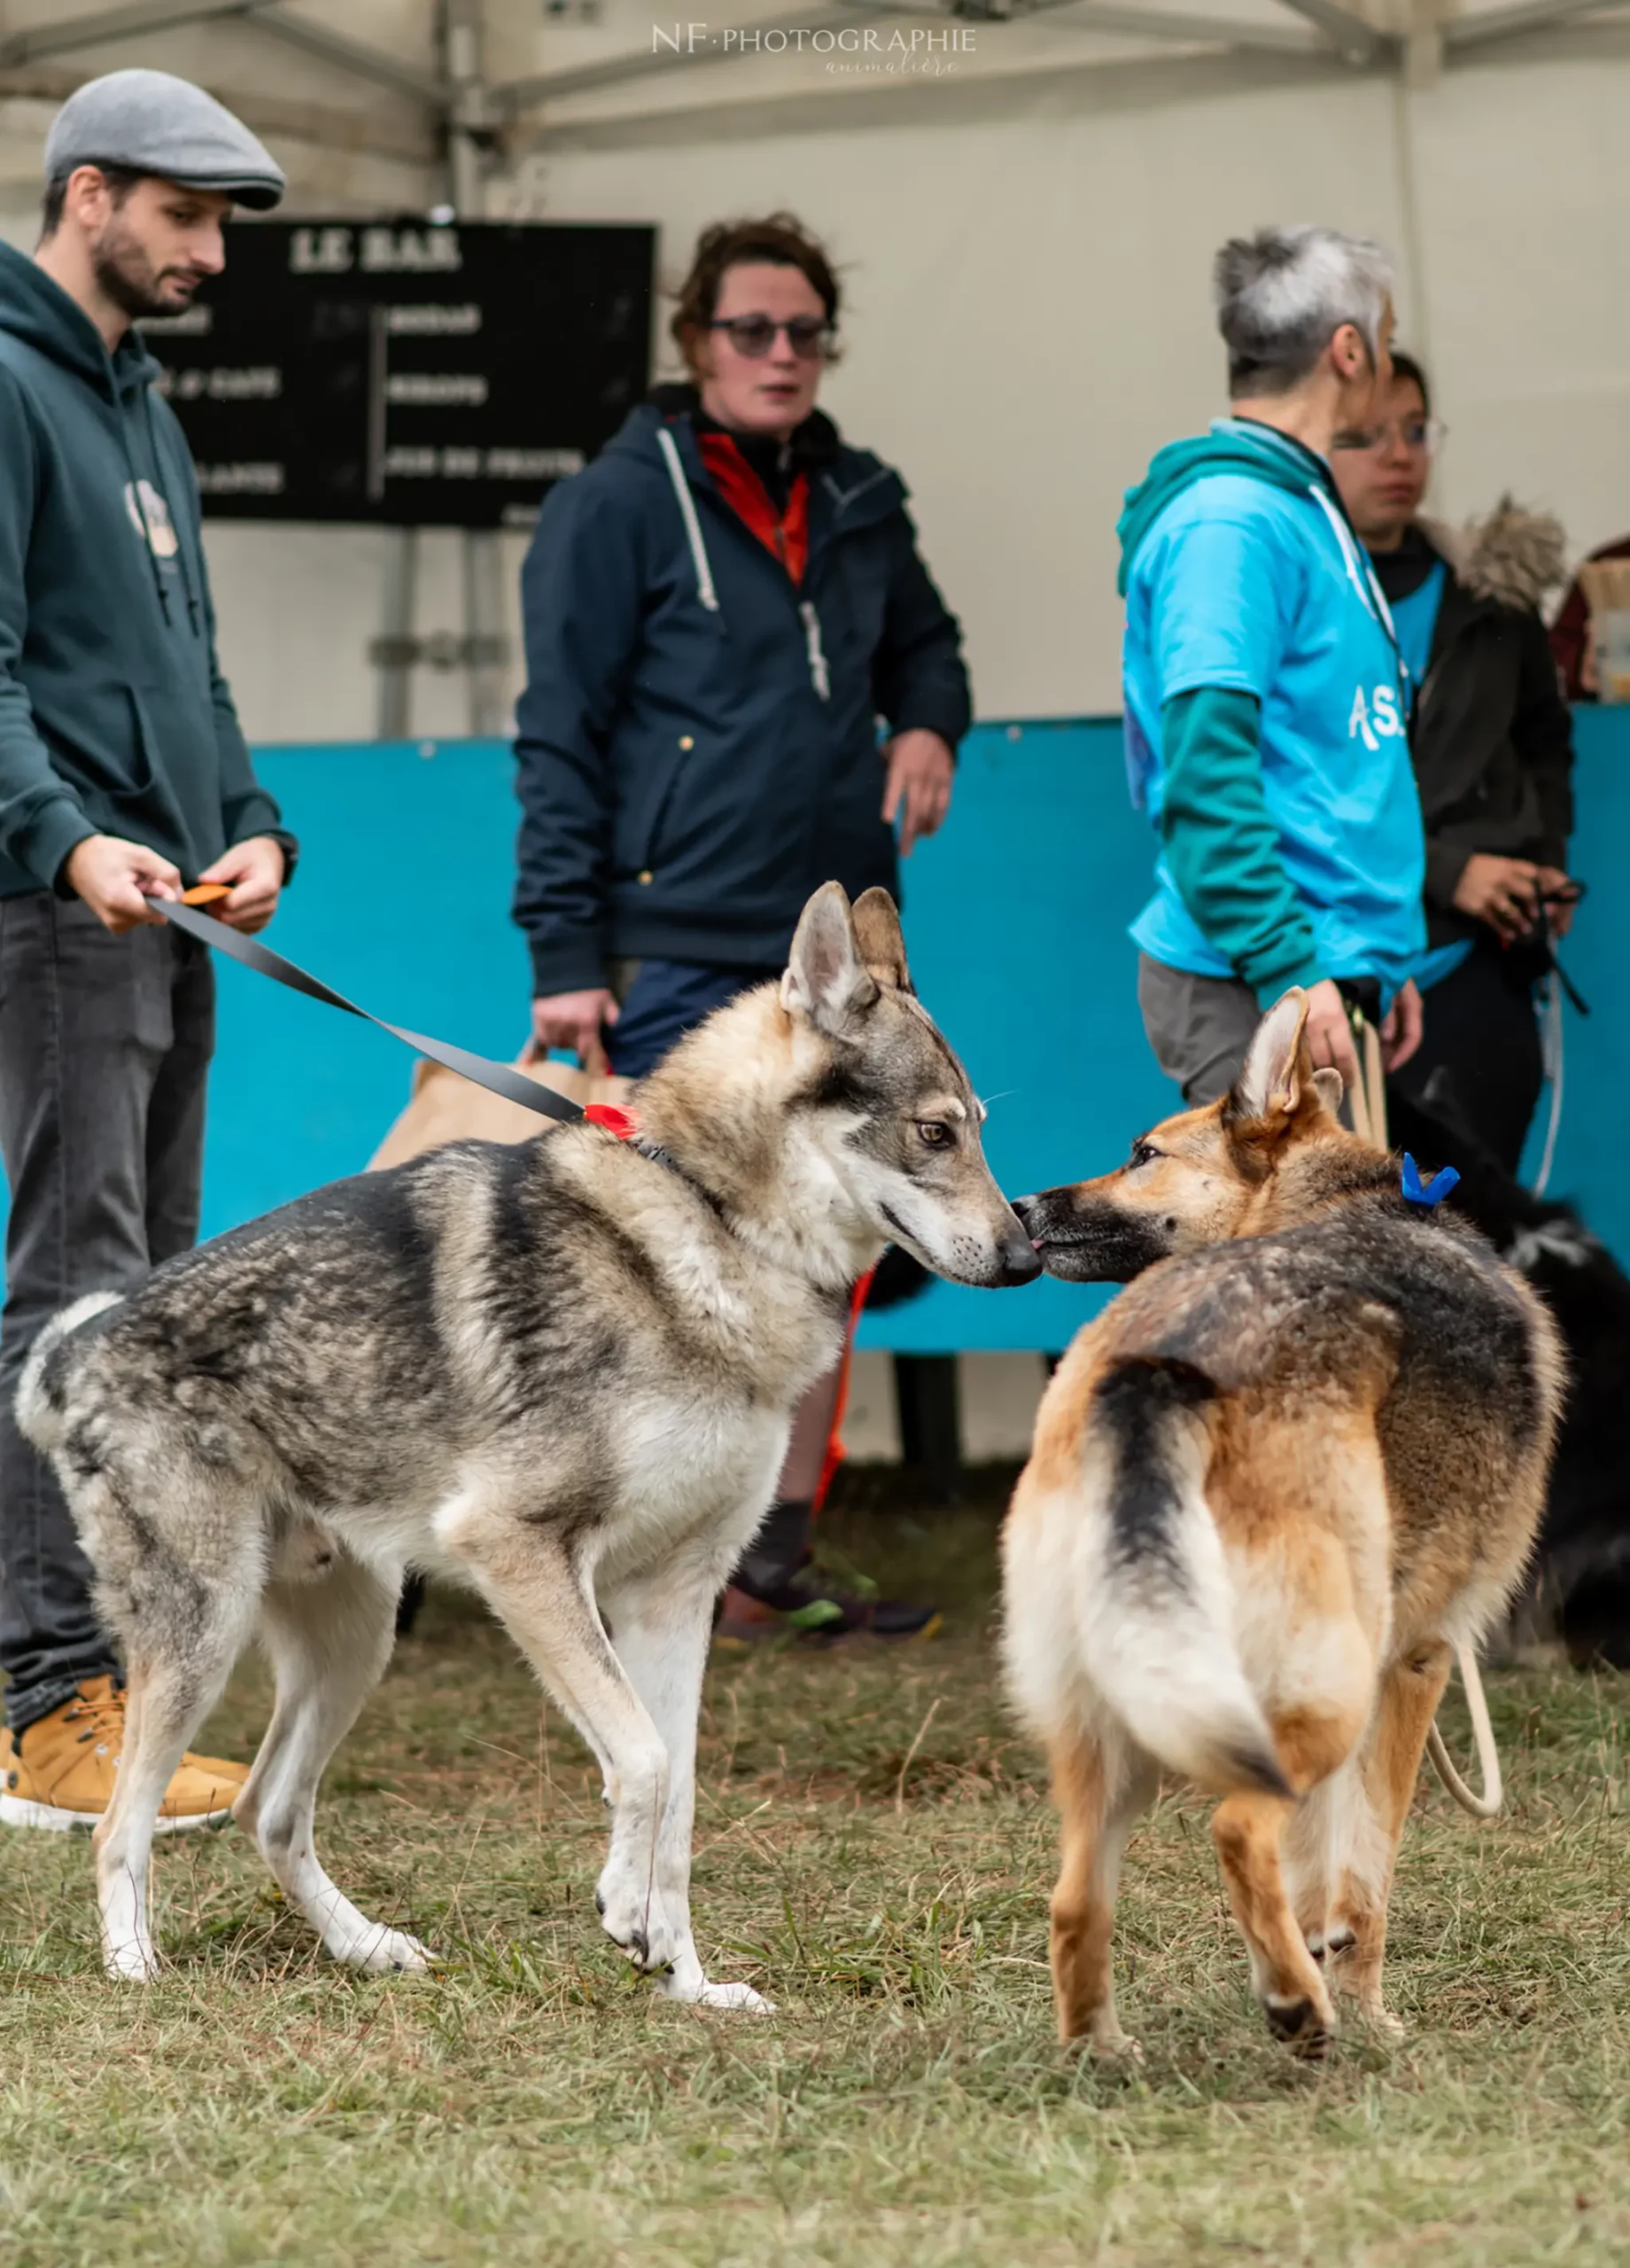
{"type": "Point", "coordinates": [740, 678]}
{"type": "Point", "coordinates": [1265, 701]}
{"type": "Point", "coordinates": [1493, 745]}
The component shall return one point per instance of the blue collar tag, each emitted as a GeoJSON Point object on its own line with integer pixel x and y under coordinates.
{"type": "Point", "coordinates": [1428, 1194]}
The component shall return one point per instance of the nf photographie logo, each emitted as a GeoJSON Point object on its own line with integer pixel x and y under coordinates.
{"type": "Point", "coordinates": [866, 46]}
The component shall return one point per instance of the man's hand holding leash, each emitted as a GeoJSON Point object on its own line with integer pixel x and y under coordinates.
{"type": "Point", "coordinates": [254, 872]}
{"type": "Point", "coordinates": [116, 879]}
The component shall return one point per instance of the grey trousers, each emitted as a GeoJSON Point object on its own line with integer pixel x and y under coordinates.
{"type": "Point", "coordinates": [105, 1050]}
{"type": "Point", "coordinates": [1199, 1027]}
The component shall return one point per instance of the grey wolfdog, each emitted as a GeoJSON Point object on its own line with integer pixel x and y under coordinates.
{"type": "Point", "coordinates": [562, 1371]}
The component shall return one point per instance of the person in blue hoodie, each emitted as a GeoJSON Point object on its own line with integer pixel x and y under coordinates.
{"type": "Point", "coordinates": [1266, 701]}
{"type": "Point", "coordinates": [123, 776]}
{"type": "Point", "coordinates": [717, 612]}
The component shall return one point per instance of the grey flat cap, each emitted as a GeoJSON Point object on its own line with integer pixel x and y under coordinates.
{"type": "Point", "coordinates": [157, 124]}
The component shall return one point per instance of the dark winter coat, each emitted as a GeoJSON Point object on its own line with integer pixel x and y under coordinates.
{"type": "Point", "coordinates": [1492, 739]}
{"type": "Point", "coordinates": [698, 745]}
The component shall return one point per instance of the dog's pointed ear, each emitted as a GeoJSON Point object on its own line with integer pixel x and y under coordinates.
{"type": "Point", "coordinates": [883, 944]}
{"type": "Point", "coordinates": [827, 980]}
{"type": "Point", "coordinates": [1278, 1068]}
{"type": "Point", "coordinates": [1331, 1087]}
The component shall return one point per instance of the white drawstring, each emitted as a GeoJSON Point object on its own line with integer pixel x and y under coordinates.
{"type": "Point", "coordinates": [1373, 598]}
{"type": "Point", "coordinates": [819, 677]}
{"type": "Point", "coordinates": [1366, 585]}
{"type": "Point", "coordinates": [1550, 1046]}
{"type": "Point", "coordinates": [705, 591]}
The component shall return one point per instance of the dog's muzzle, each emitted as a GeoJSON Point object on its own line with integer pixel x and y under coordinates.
{"type": "Point", "coordinates": [1089, 1243]}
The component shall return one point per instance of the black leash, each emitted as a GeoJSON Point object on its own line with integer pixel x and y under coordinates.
{"type": "Point", "coordinates": [498, 1078]}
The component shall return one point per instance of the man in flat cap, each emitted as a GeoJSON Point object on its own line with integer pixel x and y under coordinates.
{"type": "Point", "coordinates": [123, 777]}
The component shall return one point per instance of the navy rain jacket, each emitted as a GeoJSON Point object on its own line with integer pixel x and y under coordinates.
{"type": "Point", "coordinates": [697, 746]}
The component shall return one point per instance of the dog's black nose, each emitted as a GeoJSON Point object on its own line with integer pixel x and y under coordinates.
{"type": "Point", "coordinates": [1021, 1264]}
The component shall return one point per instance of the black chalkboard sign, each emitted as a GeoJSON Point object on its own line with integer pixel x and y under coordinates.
{"type": "Point", "coordinates": [408, 372]}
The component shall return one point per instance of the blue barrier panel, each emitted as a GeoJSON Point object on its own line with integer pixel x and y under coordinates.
{"type": "Point", "coordinates": [1590, 1165]}
{"type": "Point", "coordinates": [1016, 918]}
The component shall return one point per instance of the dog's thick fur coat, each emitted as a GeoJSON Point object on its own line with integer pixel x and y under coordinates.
{"type": "Point", "coordinates": [562, 1371]}
{"type": "Point", "coordinates": [1273, 1486]}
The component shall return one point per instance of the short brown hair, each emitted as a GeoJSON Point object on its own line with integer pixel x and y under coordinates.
{"type": "Point", "coordinates": [779, 240]}
{"type": "Point", "coordinates": [120, 181]}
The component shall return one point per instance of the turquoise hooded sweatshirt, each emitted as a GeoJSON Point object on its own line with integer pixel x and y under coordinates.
{"type": "Point", "coordinates": [114, 718]}
{"type": "Point", "coordinates": [1267, 712]}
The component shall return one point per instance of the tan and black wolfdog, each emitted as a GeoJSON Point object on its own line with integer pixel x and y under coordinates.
{"type": "Point", "coordinates": [1274, 1485]}
{"type": "Point", "coordinates": [561, 1370]}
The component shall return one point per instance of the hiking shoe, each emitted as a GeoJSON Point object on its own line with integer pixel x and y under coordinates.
{"type": "Point", "coordinates": [58, 1774]}
{"type": "Point", "coordinates": [806, 1604]}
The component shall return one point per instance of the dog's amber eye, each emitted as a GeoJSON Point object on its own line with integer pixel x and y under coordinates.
{"type": "Point", "coordinates": [1141, 1152]}
{"type": "Point", "coordinates": [934, 1137]}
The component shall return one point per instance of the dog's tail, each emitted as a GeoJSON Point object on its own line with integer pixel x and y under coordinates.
{"type": "Point", "coordinates": [1156, 1617]}
{"type": "Point", "coordinates": [40, 1411]}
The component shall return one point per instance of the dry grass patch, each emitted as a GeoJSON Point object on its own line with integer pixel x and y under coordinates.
{"type": "Point", "coordinates": [874, 1849]}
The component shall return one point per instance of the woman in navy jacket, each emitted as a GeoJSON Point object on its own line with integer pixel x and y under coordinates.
{"type": "Point", "coordinates": [725, 615]}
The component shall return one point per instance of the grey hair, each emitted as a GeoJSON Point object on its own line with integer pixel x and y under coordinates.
{"type": "Point", "coordinates": [1283, 294]}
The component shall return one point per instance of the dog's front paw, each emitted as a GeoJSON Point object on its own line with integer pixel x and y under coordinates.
{"type": "Point", "coordinates": [1114, 2046]}
{"type": "Point", "coordinates": [1305, 2027]}
{"type": "Point", "coordinates": [634, 1919]}
{"type": "Point", "coordinates": [385, 1953]}
{"type": "Point", "coordinates": [130, 1962]}
{"type": "Point", "coordinates": [702, 1993]}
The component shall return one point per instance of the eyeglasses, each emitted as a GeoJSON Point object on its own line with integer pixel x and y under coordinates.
{"type": "Point", "coordinates": [1424, 433]}
{"type": "Point", "coordinates": [808, 336]}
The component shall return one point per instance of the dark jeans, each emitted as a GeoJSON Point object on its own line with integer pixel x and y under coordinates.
{"type": "Point", "coordinates": [104, 1049]}
{"type": "Point", "coordinates": [1480, 1052]}
{"type": "Point", "coordinates": [661, 1000]}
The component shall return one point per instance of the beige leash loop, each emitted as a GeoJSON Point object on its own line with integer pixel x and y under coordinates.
{"type": "Point", "coordinates": [1487, 1804]}
{"type": "Point", "coordinates": [1368, 1103]}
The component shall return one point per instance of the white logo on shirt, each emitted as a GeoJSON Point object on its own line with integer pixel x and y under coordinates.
{"type": "Point", "coordinates": [150, 518]}
{"type": "Point", "coordinates": [1377, 723]}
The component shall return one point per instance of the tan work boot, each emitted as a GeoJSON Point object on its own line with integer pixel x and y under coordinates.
{"type": "Point", "coordinates": [58, 1773]}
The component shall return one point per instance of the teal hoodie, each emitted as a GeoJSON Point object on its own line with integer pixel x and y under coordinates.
{"type": "Point", "coordinates": [1230, 449]}
{"type": "Point", "coordinates": [1266, 711]}
{"type": "Point", "coordinates": [114, 718]}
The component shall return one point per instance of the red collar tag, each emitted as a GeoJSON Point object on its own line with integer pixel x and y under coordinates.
{"type": "Point", "coordinates": [615, 1120]}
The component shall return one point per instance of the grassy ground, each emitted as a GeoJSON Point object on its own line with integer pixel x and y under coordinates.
{"type": "Point", "coordinates": [873, 1849]}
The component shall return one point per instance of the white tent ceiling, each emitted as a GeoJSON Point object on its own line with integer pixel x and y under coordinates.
{"type": "Point", "coordinates": [364, 97]}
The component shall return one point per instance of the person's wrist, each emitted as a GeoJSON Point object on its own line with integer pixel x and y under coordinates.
{"type": "Point", "coordinates": [560, 969]}
{"type": "Point", "coordinates": [941, 730]}
{"type": "Point", "coordinates": [269, 847]}
{"type": "Point", "coordinates": [70, 866]}
{"type": "Point", "coordinates": [1269, 984]}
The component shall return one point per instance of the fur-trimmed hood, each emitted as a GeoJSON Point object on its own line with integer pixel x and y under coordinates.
{"type": "Point", "coordinates": [1512, 557]}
